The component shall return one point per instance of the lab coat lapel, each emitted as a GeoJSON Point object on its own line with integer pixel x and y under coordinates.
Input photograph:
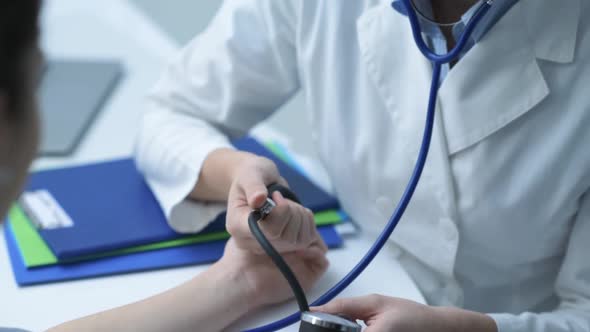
{"type": "Point", "coordinates": [498, 81]}
{"type": "Point", "coordinates": [495, 83]}
{"type": "Point", "coordinates": [402, 76]}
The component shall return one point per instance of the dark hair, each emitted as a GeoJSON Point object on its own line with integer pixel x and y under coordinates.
{"type": "Point", "coordinates": [19, 31]}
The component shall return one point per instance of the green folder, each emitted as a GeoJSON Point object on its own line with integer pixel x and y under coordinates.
{"type": "Point", "coordinates": [36, 253]}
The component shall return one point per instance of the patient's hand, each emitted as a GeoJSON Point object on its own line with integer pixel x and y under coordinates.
{"type": "Point", "coordinates": [263, 281]}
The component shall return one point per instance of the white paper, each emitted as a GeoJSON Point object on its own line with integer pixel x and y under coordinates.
{"type": "Point", "coordinates": [44, 210]}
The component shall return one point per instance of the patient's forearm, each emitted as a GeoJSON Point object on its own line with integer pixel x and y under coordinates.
{"type": "Point", "coordinates": [209, 302]}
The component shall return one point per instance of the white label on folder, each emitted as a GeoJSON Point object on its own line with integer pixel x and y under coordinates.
{"type": "Point", "coordinates": [44, 210]}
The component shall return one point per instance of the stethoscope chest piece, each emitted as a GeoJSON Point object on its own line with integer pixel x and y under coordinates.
{"type": "Point", "coordinates": [323, 322]}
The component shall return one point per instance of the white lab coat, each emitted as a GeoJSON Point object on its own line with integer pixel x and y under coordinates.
{"type": "Point", "coordinates": [500, 222]}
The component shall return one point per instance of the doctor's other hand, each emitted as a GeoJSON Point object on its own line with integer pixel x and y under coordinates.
{"type": "Point", "coordinates": [382, 314]}
{"type": "Point", "coordinates": [262, 280]}
{"type": "Point", "coordinates": [289, 227]}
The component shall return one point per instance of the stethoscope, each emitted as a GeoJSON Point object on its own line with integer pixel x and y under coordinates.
{"type": "Point", "coordinates": [322, 322]}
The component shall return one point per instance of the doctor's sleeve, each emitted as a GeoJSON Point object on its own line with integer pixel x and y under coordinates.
{"type": "Point", "coordinates": [226, 80]}
{"type": "Point", "coordinates": [572, 287]}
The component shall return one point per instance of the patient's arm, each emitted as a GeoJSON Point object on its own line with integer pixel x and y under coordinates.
{"type": "Point", "coordinates": [207, 302]}
{"type": "Point", "coordinates": [240, 282]}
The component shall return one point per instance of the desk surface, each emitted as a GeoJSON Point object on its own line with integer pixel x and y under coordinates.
{"type": "Point", "coordinates": [115, 29]}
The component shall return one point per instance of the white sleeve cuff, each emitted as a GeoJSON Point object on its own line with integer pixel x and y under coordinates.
{"type": "Point", "coordinates": [171, 165]}
{"type": "Point", "coordinates": [184, 215]}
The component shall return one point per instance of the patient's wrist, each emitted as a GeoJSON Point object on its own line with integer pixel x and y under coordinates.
{"type": "Point", "coordinates": [231, 285]}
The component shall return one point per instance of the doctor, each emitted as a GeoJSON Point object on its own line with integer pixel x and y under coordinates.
{"type": "Point", "coordinates": [500, 223]}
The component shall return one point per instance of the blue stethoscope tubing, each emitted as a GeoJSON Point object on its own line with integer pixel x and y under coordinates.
{"type": "Point", "coordinates": [438, 61]}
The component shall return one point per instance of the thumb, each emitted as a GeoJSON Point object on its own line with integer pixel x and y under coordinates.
{"type": "Point", "coordinates": [362, 308]}
{"type": "Point", "coordinates": [255, 191]}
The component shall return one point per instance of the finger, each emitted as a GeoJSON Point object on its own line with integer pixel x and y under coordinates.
{"type": "Point", "coordinates": [236, 222]}
{"type": "Point", "coordinates": [289, 226]}
{"type": "Point", "coordinates": [278, 198]}
{"type": "Point", "coordinates": [281, 227]}
{"type": "Point", "coordinates": [319, 243]}
{"type": "Point", "coordinates": [255, 191]}
{"type": "Point", "coordinates": [292, 226]}
{"type": "Point", "coordinates": [251, 193]}
{"type": "Point", "coordinates": [308, 266]}
{"type": "Point", "coordinates": [314, 234]}
{"type": "Point", "coordinates": [316, 258]}
{"type": "Point", "coordinates": [275, 224]}
{"type": "Point", "coordinates": [312, 229]}
{"type": "Point", "coordinates": [294, 229]}
{"type": "Point", "coordinates": [362, 308]}
{"type": "Point", "coordinates": [305, 236]}
{"type": "Point", "coordinates": [308, 233]}
{"type": "Point", "coordinates": [283, 182]}
{"type": "Point", "coordinates": [317, 240]}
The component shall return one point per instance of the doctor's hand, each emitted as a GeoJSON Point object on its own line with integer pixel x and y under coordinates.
{"type": "Point", "coordinates": [289, 227]}
{"type": "Point", "coordinates": [382, 314]}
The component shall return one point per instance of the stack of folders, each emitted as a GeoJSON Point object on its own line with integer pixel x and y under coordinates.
{"type": "Point", "coordinates": [102, 219]}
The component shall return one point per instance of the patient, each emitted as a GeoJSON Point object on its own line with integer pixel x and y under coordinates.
{"type": "Point", "coordinates": [240, 282]}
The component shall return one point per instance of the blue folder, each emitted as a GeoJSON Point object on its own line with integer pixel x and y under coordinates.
{"type": "Point", "coordinates": [112, 207]}
{"type": "Point", "coordinates": [149, 260]}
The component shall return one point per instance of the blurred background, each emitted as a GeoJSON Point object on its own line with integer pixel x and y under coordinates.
{"type": "Point", "coordinates": [135, 38]}
{"type": "Point", "coordinates": [185, 19]}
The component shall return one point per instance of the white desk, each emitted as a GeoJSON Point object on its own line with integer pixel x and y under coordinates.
{"type": "Point", "coordinates": [115, 29]}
